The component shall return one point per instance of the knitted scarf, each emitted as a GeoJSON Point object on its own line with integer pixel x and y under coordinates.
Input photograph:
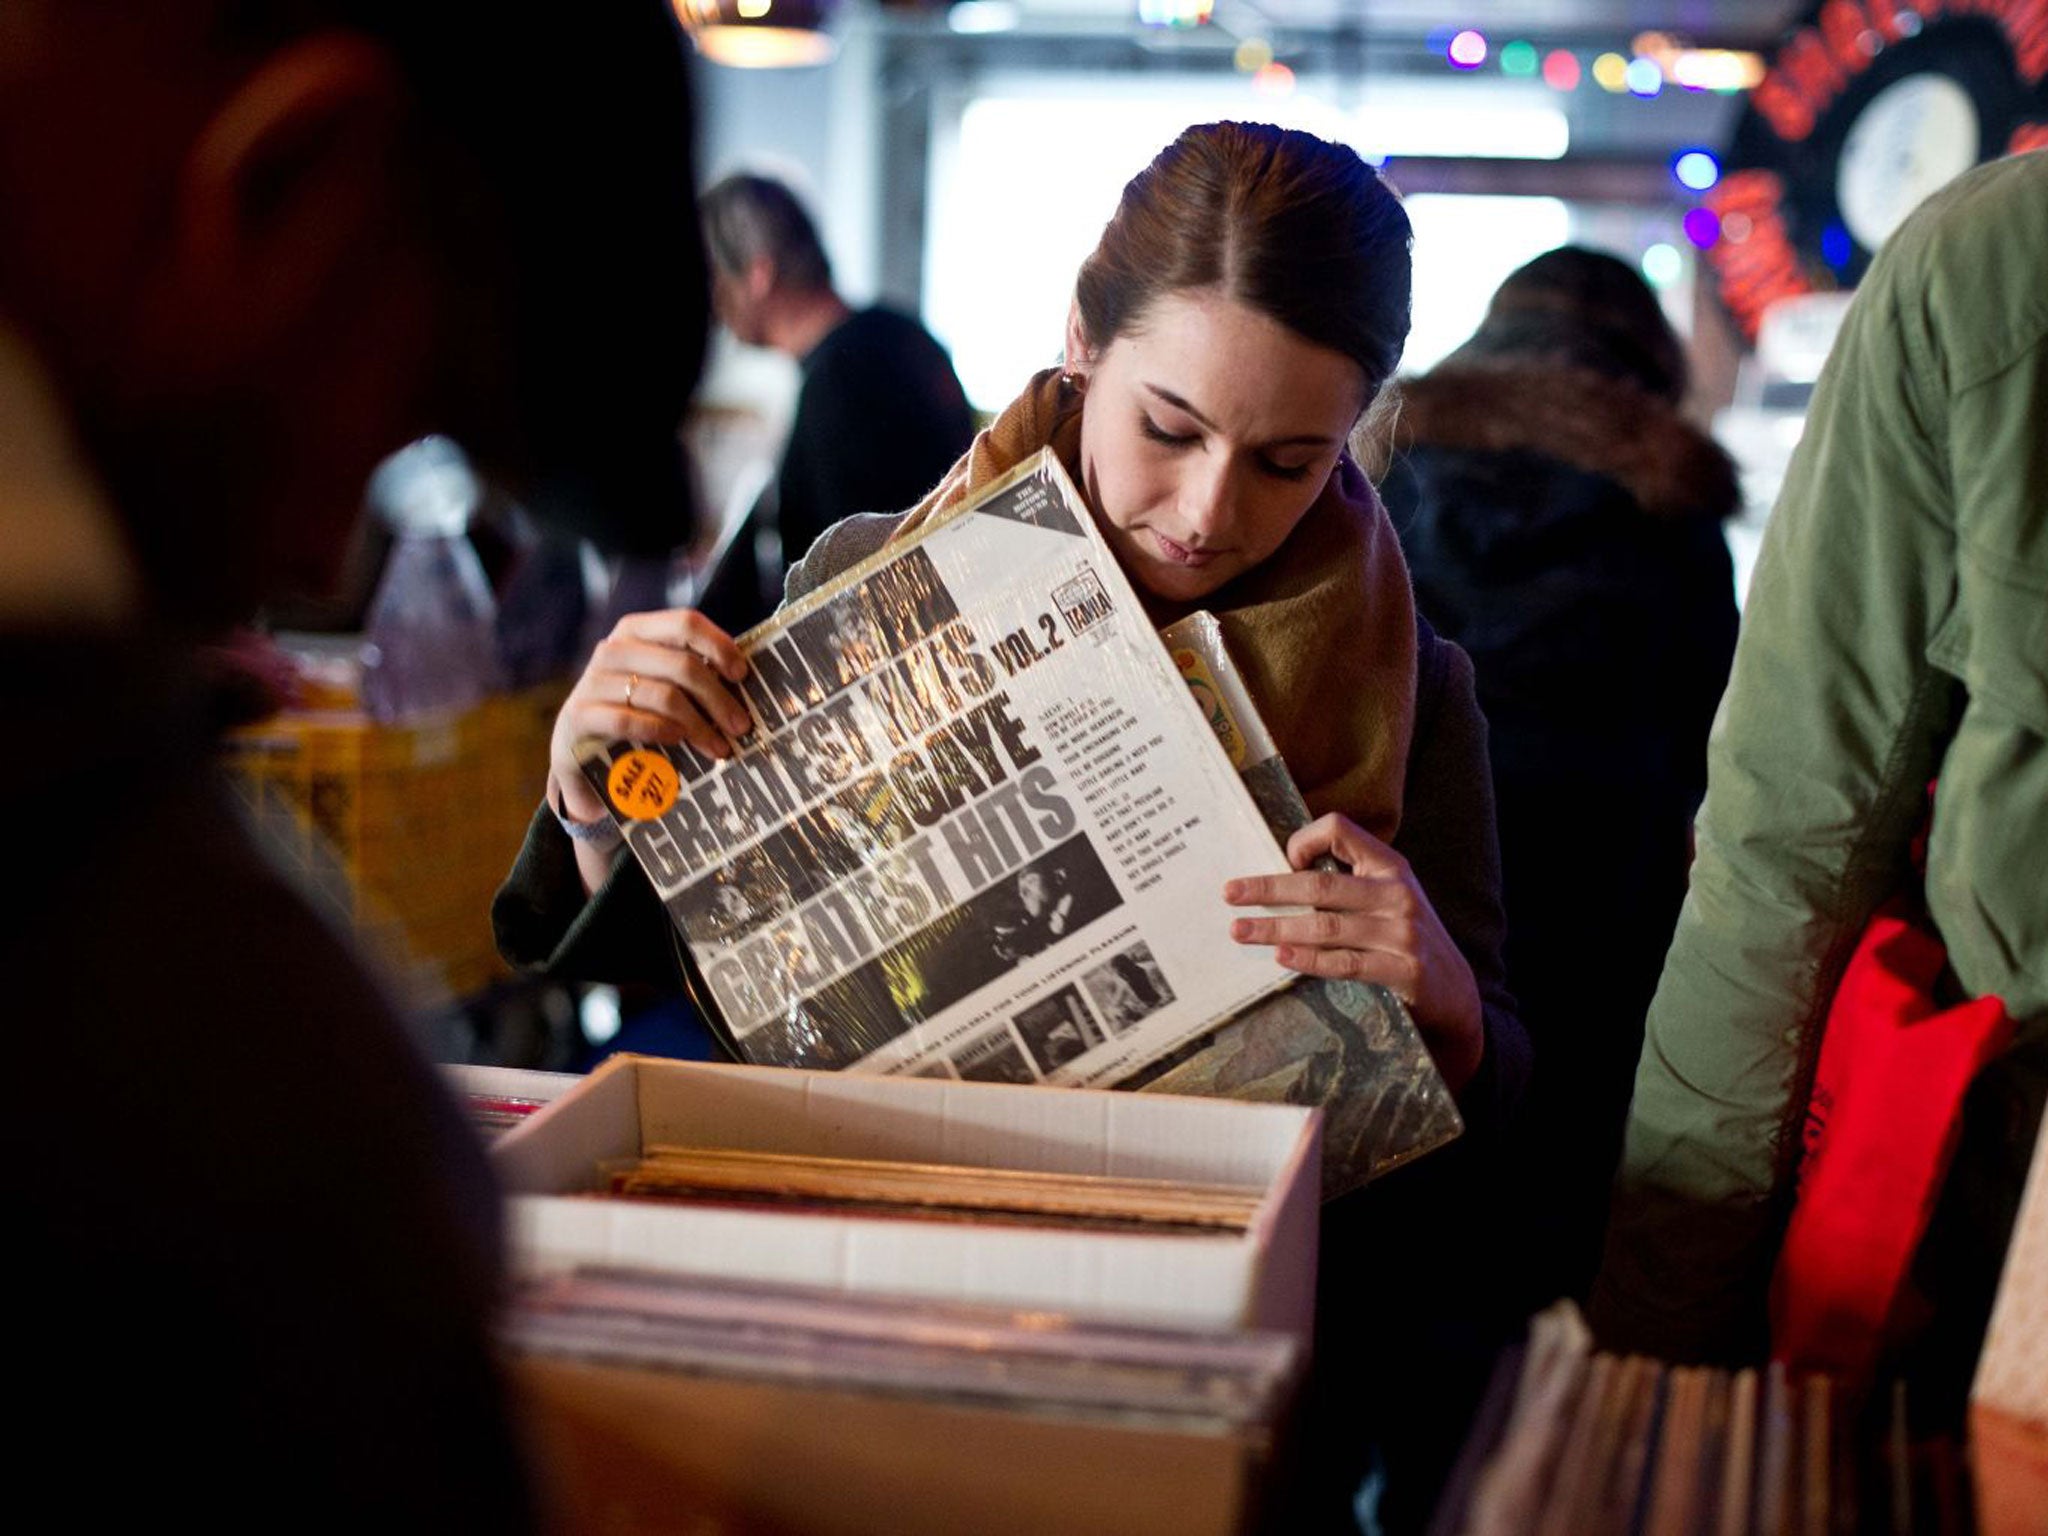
{"type": "Point", "coordinates": [1323, 630]}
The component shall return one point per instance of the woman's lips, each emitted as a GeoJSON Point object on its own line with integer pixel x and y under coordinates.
{"type": "Point", "coordinates": [1180, 554]}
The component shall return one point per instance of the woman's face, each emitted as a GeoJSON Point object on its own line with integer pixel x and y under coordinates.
{"type": "Point", "coordinates": [1209, 429]}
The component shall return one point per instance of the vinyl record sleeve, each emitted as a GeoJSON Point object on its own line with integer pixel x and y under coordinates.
{"type": "Point", "coordinates": [979, 828]}
{"type": "Point", "coordinates": [1349, 1047]}
{"type": "Point", "coordinates": [1039, 1362]}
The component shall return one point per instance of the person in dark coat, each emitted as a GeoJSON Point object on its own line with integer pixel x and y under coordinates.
{"type": "Point", "coordinates": [880, 414]}
{"type": "Point", "coordinates": [254, 1248]}
{"type": "Point", "coordinates": [1563, 524]}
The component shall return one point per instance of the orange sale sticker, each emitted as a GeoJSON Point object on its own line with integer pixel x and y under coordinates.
{"type": "Point", "coordinates": [643, 785]}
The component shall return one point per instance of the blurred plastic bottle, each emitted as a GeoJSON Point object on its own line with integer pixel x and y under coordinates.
{"type": "Point", "coordinates": [542, 592]}
{"type": "Point", "coordinates": [430, 635]}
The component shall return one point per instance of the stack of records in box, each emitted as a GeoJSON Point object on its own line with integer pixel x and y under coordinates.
{"type": "Point", "coordinates": [1576, 1442]}
{"type": "Point", "coordinates": [1188, 1381]}
{"type": "Point", "coordinates": [495, 1099]}
{"type": "Point", "coordinates": [847, 1186]}
{"type": "Point", "coordinates": [907, 1306]}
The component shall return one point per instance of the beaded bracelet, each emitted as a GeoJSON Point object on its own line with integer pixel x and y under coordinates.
{"type": "Point", "coordinates": [603, 835]}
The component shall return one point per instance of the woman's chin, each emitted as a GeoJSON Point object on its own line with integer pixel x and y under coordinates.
{"type": "Point", "coordinates": [1177, 583]}
{"type": "Point", "coordinates": [1165, 570]}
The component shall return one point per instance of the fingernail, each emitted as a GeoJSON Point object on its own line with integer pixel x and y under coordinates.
{"type": "Point", "coordinates": [1241, 930]}
{"type": "Point", "coordinates": [1233, 890]}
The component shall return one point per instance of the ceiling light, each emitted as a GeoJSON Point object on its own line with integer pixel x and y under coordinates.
{"type": "Point", "coordinates": [1706, 69]}
{"type": "Point", "coordinates": [1253, 55]}
{"type": "Point", "coordinates": [1662, 265]}
{"type": "Point", "coordinates": [760, 34]}
{"type": "Point", "coordinates": [1561, 70]}
{"type": "Point", "coordinates": [1643, 77]}
{"type": "Point", "coordinates": [1717, 69]}
{"type": "Point", "coordinates": [1697, 170]}
{"type": "Point", "coordinates": [1468, 49]}
{"type": "Point", "coordinates": [1274, 80]}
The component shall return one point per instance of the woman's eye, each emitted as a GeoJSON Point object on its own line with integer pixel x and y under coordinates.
{"type": "Point", "coordinates": [1159, 434]}
{"type": "Point", "coordinates": [1285, 471]}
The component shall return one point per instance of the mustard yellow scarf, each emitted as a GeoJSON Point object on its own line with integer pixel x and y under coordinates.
{"type": "Point", "coordinates": [1323, 630]}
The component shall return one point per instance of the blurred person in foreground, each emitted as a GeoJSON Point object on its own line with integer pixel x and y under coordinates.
{"type": "Point", "coordinates": [880, 414]}
{"type": "Point", "coordinates": [1896, 634]}
{"type": "Point", "coordinates": [250, 249]}
{"type": "Point", "coordinates": [1563, 524]}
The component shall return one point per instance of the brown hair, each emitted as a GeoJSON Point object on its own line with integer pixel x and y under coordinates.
{"type": "Point", "coordinates": [1574, 307]}
{"type": "Point", "coordinates": [1302, 230]}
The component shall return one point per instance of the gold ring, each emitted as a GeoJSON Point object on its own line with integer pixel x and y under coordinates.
{"type": "Point", "coordinates": [632, 682]}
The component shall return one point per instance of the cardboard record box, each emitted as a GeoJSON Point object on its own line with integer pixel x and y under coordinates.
{"type": "Point", "coordinates": [1263, 1276]}
{"type": "Point", "coordinates": [623, 1450]}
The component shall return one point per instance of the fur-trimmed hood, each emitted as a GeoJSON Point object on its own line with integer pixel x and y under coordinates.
{"type": "Point", "coordinates": [1604, 426]}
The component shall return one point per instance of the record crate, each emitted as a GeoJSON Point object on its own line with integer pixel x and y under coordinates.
{"type": "Point", "coordinates": [404, 831]}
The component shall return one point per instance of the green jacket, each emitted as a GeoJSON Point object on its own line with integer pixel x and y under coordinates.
{"type": "Point", "coordinates": [1896, 634]}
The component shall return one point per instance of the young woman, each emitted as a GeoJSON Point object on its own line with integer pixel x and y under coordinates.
{"type": "Point", "coordinates": [1237, 320]}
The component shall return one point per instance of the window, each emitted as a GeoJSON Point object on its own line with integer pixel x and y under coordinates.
{"type": "Point", "coordinates": [1024, 175]}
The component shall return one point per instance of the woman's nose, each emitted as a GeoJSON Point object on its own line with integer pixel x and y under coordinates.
{"type": "Point", "coordinates": [1205, 500]}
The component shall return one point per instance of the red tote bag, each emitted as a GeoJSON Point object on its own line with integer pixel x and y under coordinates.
{"type": "Point", "coordinates": [1880, 1130]}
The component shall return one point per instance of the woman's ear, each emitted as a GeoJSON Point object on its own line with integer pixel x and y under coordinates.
{"type": "Point", "coordinates": [1079, 355]}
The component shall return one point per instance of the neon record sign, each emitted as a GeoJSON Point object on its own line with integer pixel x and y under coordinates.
{"type": "Point", "coordinates": [1866, 107]}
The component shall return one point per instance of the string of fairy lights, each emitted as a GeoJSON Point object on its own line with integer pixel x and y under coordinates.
{"type": "Point", "coordinates": [1653, 63]}
{"type": "Point", "coordinates": [1649, 66]}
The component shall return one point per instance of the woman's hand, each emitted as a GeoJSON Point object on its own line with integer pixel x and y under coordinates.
{"type": "Point", "coordinates": [1372, 924]}
{"type": "Point", "coordinates": [658, 677]}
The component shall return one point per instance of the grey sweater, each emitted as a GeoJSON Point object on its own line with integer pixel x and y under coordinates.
{"type": "Point", "coordinates": [545, 923]}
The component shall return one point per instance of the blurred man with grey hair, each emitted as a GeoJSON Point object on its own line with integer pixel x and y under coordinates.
{"type": "Point", "coordinates": [880, 414]}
